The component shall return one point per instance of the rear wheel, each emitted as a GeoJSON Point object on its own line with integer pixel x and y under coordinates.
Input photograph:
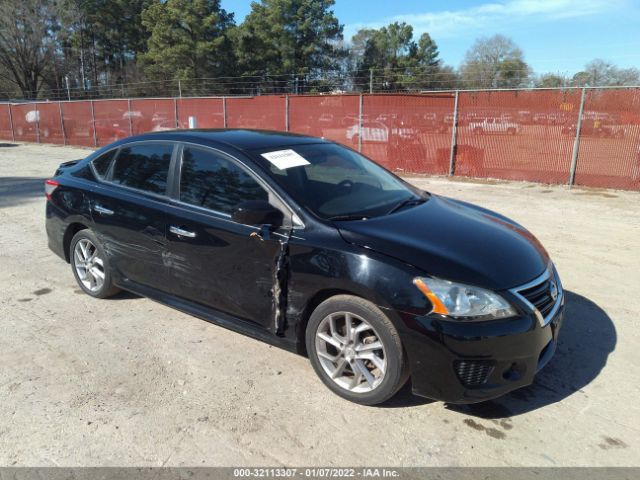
{"type": "Point", "coordinates": [355, 350]}
{"type": "Point", "coordinates": [89, 265]}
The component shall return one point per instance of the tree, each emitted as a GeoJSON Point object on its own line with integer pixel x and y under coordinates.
{"type": "Point", "coordinates": [397, 61]}
{"type": "Point", "coordinates": [494, 62]}
{"type": "Point", "coordinates": [298, 37]}
{"type": "Point", "coordinates": [27, 42]}
{"type": "Point", "coordinates": [601, 73]}
{"type": "Point", "coordinates": [384, 53]}
{"type": "Point", "coordinates": [99, 41]}
{"type": "Point", "coordinates": [187, 39]}
{"type": "Point", "coordinates": [424, 70]}
{"type": "Point", "coordinates": [551, 80]}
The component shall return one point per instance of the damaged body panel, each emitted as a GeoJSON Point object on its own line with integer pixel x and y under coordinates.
{"type": "Point", "coordinates": [256, 231]}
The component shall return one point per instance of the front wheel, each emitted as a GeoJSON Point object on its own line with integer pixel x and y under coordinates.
{"type": "Point", "coordinates": [355, 350]}
{"type": "Point", "coordinates": [89, 265]}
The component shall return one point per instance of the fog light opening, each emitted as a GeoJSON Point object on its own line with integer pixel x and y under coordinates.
{"type": "Point", "coordinates": [512, 373]}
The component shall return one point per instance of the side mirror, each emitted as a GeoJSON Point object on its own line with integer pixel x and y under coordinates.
{"type": "Point", "coordinates": [257, 212]}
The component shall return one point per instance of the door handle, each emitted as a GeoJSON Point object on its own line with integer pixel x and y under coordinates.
{"type": "Point", "coordinates": [102, 210]}
{"type": "Point", "coordinates": [181, 232]}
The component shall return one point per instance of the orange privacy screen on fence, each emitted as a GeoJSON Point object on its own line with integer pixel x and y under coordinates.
{"type": "Point", "coordinates": [265, 113]}
{"type": "Point", "coordinates": [515, 135]}
{"type": "Point", "coordinates": [5, 123]}
{"type": "Point", "coordinates": [409, 133]}
{"type": "Point", "coordinates": [111, 120]}
{"type": "Point", "coordinates": [153, 115]}
{"type": "Point", "coordinates": [609, 149]}
{"type": "Point", "coordinates": [328, 116]}
{"type": "Point", "coordinates": [50, 123]}
{"type": "Point", "coordinates": [206, 112]}
{"type": "Point", "coordinates": [78, 123]}
{"type": "Point", "coordinates": [25, 122]}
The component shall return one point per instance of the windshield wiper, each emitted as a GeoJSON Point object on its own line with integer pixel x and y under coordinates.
{"type": "Point", "coordinates": [406, 202]}
{"type": "Point", "coordinates": [347, 217]}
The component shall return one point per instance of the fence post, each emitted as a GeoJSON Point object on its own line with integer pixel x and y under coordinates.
{"type": "Point", "coordinates": [360, 125]}
{"type": "Point", "coordinates": [224, 111]}
{"type": "Point", "coordinates": [13, 133]}
{"type": "Point", "coordinates": [129, 115]}
{"type": "Point", "coordinates": [93, 120]}
{"type": "Point", "coordinates": [576, 142]}
{"type": "Point", "coordinates": [64, 132]}
{"type": "Point", "coordinates": [371, 80]}
{"type": "Point", "coordinates": [286, 113]}
{"type": "Point", "coordinates": [37, 123]}
{"type": "Point", "coordinates": [175, 111]}
{"type": "Point", "coordinates": [454, 137]}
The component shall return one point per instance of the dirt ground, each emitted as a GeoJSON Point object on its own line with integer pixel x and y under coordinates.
{"type": "Point", "coordinates": [128, 382]}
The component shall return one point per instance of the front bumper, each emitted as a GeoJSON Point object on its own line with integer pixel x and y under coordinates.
{"type": "Point", "coordinates": [470, 362]}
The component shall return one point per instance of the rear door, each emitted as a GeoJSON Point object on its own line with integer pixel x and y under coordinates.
{"type": "Point", "coordinates": [128, 211]}
{"type": "Point", "coordinates": [213, 260]}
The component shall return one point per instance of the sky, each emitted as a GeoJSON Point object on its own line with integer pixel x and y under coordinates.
{"type": "Point", "coordinates": [557, 36]}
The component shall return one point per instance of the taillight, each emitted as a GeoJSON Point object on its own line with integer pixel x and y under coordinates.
{"type": "Point", "coordinates": [49, 187]}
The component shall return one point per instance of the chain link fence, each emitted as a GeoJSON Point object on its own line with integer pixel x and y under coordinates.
{"type": "Point", "coordinates": [581, 136]}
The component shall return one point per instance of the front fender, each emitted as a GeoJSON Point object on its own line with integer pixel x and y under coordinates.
{"type": "Point", "coordinates": [354, 270]}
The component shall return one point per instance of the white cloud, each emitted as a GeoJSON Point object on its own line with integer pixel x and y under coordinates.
{"type": "Point", "coordinates": [486, 18]}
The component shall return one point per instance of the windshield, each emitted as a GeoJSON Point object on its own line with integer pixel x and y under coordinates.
{"type": "Point", "coordinates": [335, 182]}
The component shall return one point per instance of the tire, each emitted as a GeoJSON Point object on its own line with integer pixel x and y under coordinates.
{"type": "Point", "coordinates": [86, 247]}
{"type": "Point", "coordinates": [377, 338]}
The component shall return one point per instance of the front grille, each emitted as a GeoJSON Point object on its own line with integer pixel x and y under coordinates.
{"type": "Point", "coordinates": [540, 297]}
{"type": "Point", "coordinates": [473, 372]}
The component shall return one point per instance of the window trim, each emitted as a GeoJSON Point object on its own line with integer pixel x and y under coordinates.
{"type": "Point", "coordinates": [295, 221]}
{"type": "Point", "coordinates": [108, 179]}
{"type": "Point", "coordinates": [95, 170]}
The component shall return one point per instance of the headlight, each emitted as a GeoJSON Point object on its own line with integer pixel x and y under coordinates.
{"type": "Point", "coordinates": [463, 302]}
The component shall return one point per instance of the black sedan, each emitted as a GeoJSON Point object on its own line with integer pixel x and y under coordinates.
{"type": "Point", "coordinates": [310, 246]}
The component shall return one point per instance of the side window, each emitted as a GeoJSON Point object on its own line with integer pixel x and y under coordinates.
{"type": "Point", "coordinates": [212, 181]}
{"type": "Point", "coordinates": [143, 166]}
{"type": "Point", "coordinates": [103, 162]}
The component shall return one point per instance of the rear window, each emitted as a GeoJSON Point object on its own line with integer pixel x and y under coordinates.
{"type": "Point", "coordinates": [143, 167]}
{"type": "Point", "coordinates": [103, 162]}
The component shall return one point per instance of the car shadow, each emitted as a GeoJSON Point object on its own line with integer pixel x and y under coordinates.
{"type": "Point", "coordinates": [587, 338]}
{"type": "Point", "coordinates": [15, 190]}
{"type": "Point", "coordinates": [405, 398]}
{"type": "Point", "coordinates": [7, 145]}
{"type": "Point", "coordinates": [125, 295]}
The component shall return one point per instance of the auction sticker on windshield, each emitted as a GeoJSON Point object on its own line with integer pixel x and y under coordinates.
{"type": "Point", "coordinates": [284, 159]}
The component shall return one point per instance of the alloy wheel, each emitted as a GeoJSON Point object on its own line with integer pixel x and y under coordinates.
{"type": "Point", "coordinates": [89, 266]}
{"type": "Point", "coordinates": [350, 352]}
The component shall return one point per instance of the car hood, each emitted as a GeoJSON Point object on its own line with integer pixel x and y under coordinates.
{"type": "Point", "coordinates": [456, 241]}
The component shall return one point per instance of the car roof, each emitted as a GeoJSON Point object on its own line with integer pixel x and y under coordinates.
{"type": "Point", "coordinates": [242, 139]}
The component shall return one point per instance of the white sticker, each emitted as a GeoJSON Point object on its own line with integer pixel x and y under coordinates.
{"type": "Point", "coordinates": [284, 159]}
